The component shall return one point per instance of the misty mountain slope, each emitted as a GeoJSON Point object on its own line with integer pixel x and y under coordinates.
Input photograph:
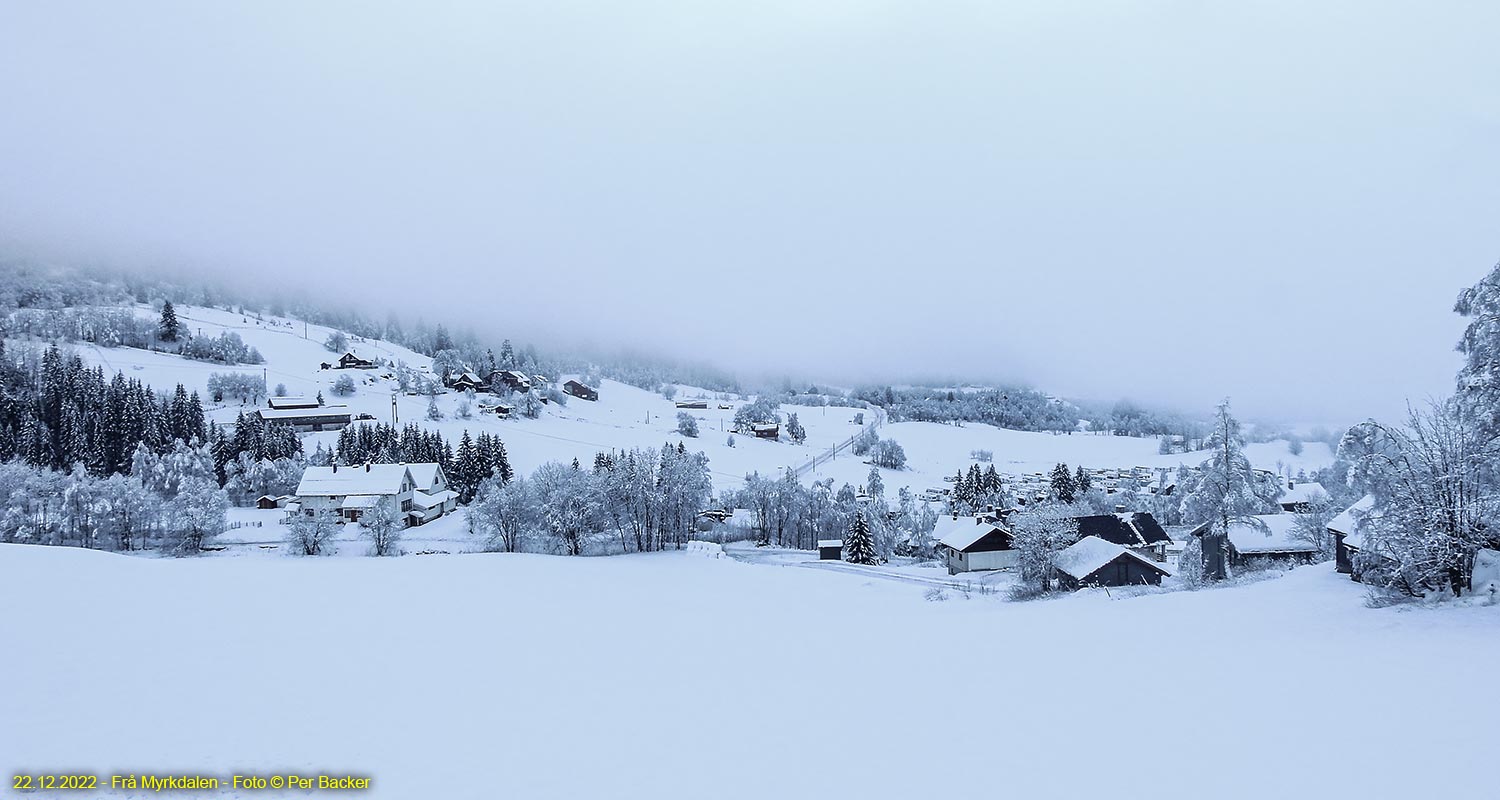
{"type": "Point", "coordinates": [659, 675]}
{"type": "Point", "coordinates": [626, 416]}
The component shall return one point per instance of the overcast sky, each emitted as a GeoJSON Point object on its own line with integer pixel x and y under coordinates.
{"type": "Point", "coordinates": [1272, 201]}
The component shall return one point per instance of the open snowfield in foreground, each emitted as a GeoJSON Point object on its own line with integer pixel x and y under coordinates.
{"type": "Point", "coordinates": [673, 675]}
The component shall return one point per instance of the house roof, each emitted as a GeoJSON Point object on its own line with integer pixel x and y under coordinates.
{"type": "Point", "coordinates": [1091, 553]}
{"type": "Point", "coordinates": [424, 500]}
{"type": "Point", "coordinates": [1304, 492]}
{"type": "Point", "coordinates": [360, 501]}
{"type": "Point", "coordinates": [830, 543]}
{"type": "Point", "coordinates": [1277, 535]}
{"type": "Point", "coordinates": [964, 532]}
{"type": "Point", "coordinates": [379, 479]}
{"type": "Point", "coordinates": [1131, 529]}
{"type": "Point", "coordinates": [327, 412]}
{"type": "Point", "coordinates": [292, 402]}
{"type": "Point", "coordinates": [1352, 522]}
{"type": "Point", "coordinates": [424, 473]}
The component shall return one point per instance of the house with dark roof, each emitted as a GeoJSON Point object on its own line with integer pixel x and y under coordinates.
{"type": "Point", "coordinates": [466, 382]}
{"type": "Point", "coordinates": [973, 544]}
{"type": "Point", "coordinates": [581, 390]}
{"type": "Point", "coordinates": [351, 361]}
{"type": "Point", "coordinates": [1137, 530]}
{"type": "Point", "coordinates": [1267, 539]}
{"type": "Point", "coordinates": [1092, 561]}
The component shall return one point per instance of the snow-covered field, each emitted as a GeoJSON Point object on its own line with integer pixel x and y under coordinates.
{"type": "Point", "coordinates": [671, 675]}
{"type": "Point", "coordinates": [626, 417]}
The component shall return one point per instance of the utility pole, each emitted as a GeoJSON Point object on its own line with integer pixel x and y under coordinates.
{"type": "Point", "coordinates": [395, 415]}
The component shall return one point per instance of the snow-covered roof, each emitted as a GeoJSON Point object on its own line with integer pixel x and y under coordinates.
{"type": "Point", "coordinates": [424, 474]}
{"type": "Point", "coordinates": [830, 543]}
{"type": "Point", "coordinates": [293, 402]}
{"type": "Point", "coordinates": [1305, 492]}
{"type": "Point", "coordinates": [1087, 555]}
{"type": "Point", "coordinates": [377, 479]}
{"type": "Point", "coordinates": [1351, 522]}
{"type": "Point", "coordinates": [425, 500]}
{"type": "Point", "coordinates": [303, 413]}
{"type": "Point", "coordinates": [961, 533]}
{"type": "Point", "coordinates": [360, 501]}
{"type": "Point", "coordinates": [1275, 537]}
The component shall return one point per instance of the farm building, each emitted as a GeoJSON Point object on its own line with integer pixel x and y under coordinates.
{"type": "Point", "coordinates": [1137, 530]}
{"type": "Point", "coordinates": [1348, 531]}
{"type": "Point", "coordinates": [466, 382]}
{"type": "Point", "coordinates": [1092, 561]}
{"type": "Point", "coordinates": [767, 430]}
{"type": "Point", "coordinates": [273, 500]}
{"type": "Point", "coordinates": [1265, 539]}
{"type": "Point", "coordinates": [308, 419]}
{"type": "Point", "coordinates": [509, 379]}
{"type": "Point", "coordinates": [351, 361]}
{"type": "Point", "coordinates": [1299, 496]}
{"type": "Point", "coordinates": [830, 549]}
{"type": "Point", "coordinates": [692, 404]}
{"type": "Point", "coordinates": [581, 390]}
{"type": "Point", "coordinates": [973, 544]}
{"type": "Point", "coordinates": [283, 403]}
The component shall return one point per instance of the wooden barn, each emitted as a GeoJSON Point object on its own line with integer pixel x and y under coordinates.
{"type": "Point", "coordinates": [768, 430]}
{"type": "Point", "coordinates": [1265, 540]}
{"type": "Point", "coordinates": [974, 544]}
{"type": "Point", "coordinates": [308, 419]}
{"type": "Point", "coordinates": [509, 379]}
{"type": "Point", "coordinates": [581, 391]}
{"type": "Point", "coordinates": [466, 382]}
{"type": "Point", "coordinates": [1092, 561]}
{"type": "Point", "coordinates": [1136, 530]}
{"type": "Point", "coordinates": [830, 549]}
{"type": "Point", "coordinates": [351, 361]}
{"type": "Point", "coordinates": [692, 404]}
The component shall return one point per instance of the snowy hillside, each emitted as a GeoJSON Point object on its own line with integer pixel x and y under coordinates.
{"type": "Point", "coordinates": [438, 677]}
{"type": "Point", "coordinates": [625, 416]}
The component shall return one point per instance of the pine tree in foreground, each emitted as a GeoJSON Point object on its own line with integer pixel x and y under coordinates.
{"type": "Point", "coordinates": [170, 327]}
{"type": "Point", "coordinates": [859, 548]}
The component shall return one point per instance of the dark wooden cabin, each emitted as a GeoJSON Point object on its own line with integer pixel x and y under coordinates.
{"type": "Point", "coordinates": [1092, 561]}
{"type": "Point", "coordinates": [351, 361]}
{"type": "Point", "coordinates": [581, 391]}
{"type": "Point", "coordinates": [830, 549]}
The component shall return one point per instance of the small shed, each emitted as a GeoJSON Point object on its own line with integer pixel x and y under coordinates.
{"type": "Point", "coordinates": [1269, 539]}
{"type": "Point", "coordinates": [580, 390]}
{"type": "Point", "coordinates": [1092, 561]}
{"type": "Point", "coordinates": [266, 501]}
{"type": "Point", "coordinates": [830, 549]}
{"type": "Point", "coordinates": [769, 430]}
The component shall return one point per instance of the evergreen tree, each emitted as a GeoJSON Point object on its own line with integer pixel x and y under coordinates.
{"type": "Point", "coordinates": [170, 328]}
{"type": "Point", "coordinates": [1063, 487]}
{"type": "Point", "coordinates": [859, 547]}
{"type": "Point", "coordinates": [1081, 480]}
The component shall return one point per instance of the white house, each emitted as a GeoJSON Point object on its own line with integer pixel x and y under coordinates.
{"type": "Point", "coordinates": [414, 493]}
{"type": "Point", "coordinates": [971, 544]}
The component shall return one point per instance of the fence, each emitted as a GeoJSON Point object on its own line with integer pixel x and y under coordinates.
{"type": "Point", "coordinates": [833, 452]}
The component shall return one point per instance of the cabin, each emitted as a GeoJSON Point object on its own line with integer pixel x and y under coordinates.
{"type": "Point", "coordinates": [466, 382]}
{"type": "Point", "coordinates": [283, 403]}
{"type": "Point", "coordinates": [1265, 540]}
{"type": "Point", "coordinates": [581, 390]}
{"type": "Point", "coordinates": [766, 430]}
{"type": "Point", "coordinates": [331, 418]}
{"type": "Point", "coordinates": [351, 361]}
{"type": "Point", "coordinates": [502, 410]}
{"type": "Point", "coordinates": [1092, 561]}
{"type": "Point", "coordinates": [830, 549]}
{"type": "Point", "coordinates": [1348, 532]}
{"type": "Point", "coordinates": [693, 404]}
{"type": "Point", "coordinates": [272, 501]}
{"type": "Point", "coordinates": [509, 380]}
{"type": "Point", "coordinates": [1137, 530]}
{"type": "Point", "coordinates": [1299, 497]}
{"type": "Point", "coordinates": [974, 544]}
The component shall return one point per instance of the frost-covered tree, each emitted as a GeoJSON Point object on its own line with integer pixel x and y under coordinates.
{"type": "Point", "coordinates": [887, 453]}
{"type": "Point", "coordinates": [336, 342]}
{"type": "Point", "coordinates": [1436, 492]}
{"type": "Point", "coordinates": [170, 328]}
{"type": "Point", "coordinates": [859, 546]}
{"type": "Point", "coordinates": [1064, 490]}
{"type": "Point", "coordinates": [761, 411]}
{"type": "Point", "coordinates": [729, 442]}
{"type": "Point", "coordinates": [794, 429]}
{"type": "Point", "coordinates": [198, 513]}
{"type": "Point", "coordinates": [311, 536]}
{"type": "Point", "coordinates": [506, 513]}
{"type": "Point", "coordinates": [687, 425]}
{"type": "Point", "coordinates": [873, 484]}
{"type": "Point", "coordinates": [569, 502]}
{"type": "Point", "coordinates": [344, 386]}
{"type": "Point", "coordinates": [383, 529]}
{"type": "Point", "coordinates": [280, 390]}
{"type": "Point", "coordinates": [434, 413]}
{"type": "Point", "coordinates": [1479, 378]}
{"type": "Point", "coordinates": [1037, 536]}
{"type": "Point", "coordinates": [1082, 481]}
{"type": "Point", "coordinates": [1225, 491]}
